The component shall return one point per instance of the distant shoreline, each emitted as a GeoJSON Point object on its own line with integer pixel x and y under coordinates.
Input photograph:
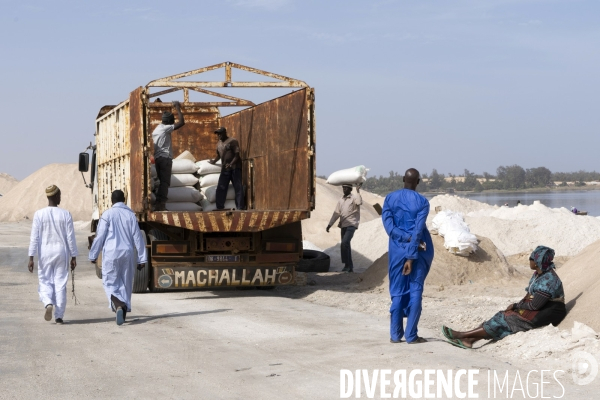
{"type": "Point", "coordinates": [529, 190]}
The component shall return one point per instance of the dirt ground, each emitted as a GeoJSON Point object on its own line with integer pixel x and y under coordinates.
{"type": "Point", "coordinates": [289, 343]}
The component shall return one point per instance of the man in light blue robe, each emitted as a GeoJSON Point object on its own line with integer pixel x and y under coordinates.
{"type": "Point", "coordinates": [410, 255]}
{"type": "Point", "coordinates": [118, 236]}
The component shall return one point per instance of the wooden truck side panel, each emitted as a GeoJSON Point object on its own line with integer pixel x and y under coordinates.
{"type": "Point", "coordinates": [113, 154]}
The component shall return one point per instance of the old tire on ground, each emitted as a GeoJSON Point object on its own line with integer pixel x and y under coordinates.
{"type": "Point", "coordinates": [313, 261]}
{"type": "Point", "coordinates": [98, 266]}
{"type": "Point", "coordinates": [142, 277]}
{"type": "Point", "coordinates": [154, 234]}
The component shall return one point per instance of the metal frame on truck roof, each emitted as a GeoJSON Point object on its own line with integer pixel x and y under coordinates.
{"type": "Point", "coordinates": [174, 84]}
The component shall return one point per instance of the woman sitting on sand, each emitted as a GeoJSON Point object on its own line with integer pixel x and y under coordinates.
{"type": "Point", "coordinates": [543, 304]}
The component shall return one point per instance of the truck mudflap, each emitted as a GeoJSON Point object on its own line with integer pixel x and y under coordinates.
{"type": "Point", "coordinates": [173, 278]}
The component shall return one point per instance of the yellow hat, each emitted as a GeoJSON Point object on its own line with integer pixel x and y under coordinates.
{"type": "Point", "coordinates": [52, 190]}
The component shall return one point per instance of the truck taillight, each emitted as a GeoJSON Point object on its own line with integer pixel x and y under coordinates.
{"type": "Point", "coordinates": [170, 248]}
{"type": "Point", "coordinates": [286, 247]}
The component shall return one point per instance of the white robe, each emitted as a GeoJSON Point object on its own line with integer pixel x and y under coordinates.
{"type": "Point", "coordinates": [118, 236]}
{"type": "Point", "coordinates": [53, 240]}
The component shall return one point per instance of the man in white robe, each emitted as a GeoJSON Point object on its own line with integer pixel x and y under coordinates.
{"type": "Point", "coordinates": [118, 236]}
{"type": "Point", "coordinates": [53, 240]}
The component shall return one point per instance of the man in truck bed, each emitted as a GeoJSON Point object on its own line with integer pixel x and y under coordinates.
{"type": "Point", "coordinates": [228, 150]}
{"type": "Point", "coordinates": [163, 153]}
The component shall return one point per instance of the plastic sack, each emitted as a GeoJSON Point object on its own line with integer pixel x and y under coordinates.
{"type": "Point", "coordinates": [186, 155]}
{"type": "Point", "coordinates": [205, 168]}
{"type": "Point", "coordinates": [184, 194]}
{"type": "Point", "coordinates": [209, 180]}
{"type": "Point", "coordinates": [153, 171]}
{"type": "Point", "coordinates": [350, 176]}
{"type": "Point", "coordinates": [211, 193]}
{"type": "Point", "coordinates": [182, 207]}
{"type": "Point", "coordinates": [183, 166]}
{"type": "Point", "coordinates": [208, 206]}
{"type": "Point", "coordinates": [458, 238]}
{"type": "Point", "coordinates": [183, 180]}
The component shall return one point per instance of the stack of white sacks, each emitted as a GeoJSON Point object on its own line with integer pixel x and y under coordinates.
{"type": "Point", "coordinates": [183, 193]}
{"type": "Point", "coordinates": [209, 178]}
{"type": "Point", "coordinates": [458, 238]}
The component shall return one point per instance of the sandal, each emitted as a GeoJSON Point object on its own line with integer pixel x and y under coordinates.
{"type": "Point", "coordinates": [459, 343]}
{"type": "Point", "coordinates": [447, 332]}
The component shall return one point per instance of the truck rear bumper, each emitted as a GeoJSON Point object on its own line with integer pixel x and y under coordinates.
{"type": "Point", "coordinates": [171, 277]}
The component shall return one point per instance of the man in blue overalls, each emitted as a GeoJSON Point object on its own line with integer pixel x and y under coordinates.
{"type": "Point", "coordinates": [410, 255]}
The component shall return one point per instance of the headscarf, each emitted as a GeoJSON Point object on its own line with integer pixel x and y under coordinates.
{"type": "Point", "coordinates": [543, 256]}
{"type": "Point", "coordinates": [52, 190]}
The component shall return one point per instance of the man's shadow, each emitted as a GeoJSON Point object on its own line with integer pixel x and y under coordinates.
{"type": "Point", "coordinates": [144, 319]}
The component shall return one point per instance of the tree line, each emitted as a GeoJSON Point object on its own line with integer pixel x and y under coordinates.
{"type": "Point", "coordinates": [511, 177]}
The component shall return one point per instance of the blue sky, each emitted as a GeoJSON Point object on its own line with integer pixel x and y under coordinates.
{"type": "Point", "coordinates": [428, 84]}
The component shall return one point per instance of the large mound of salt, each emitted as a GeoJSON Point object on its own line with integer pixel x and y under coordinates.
{"type": "Point", "coordinates": [30, 194]}
{"type": "Point", "coordinates": [520, 229]}
{"type": "Point", "coordinates": [581, 280]}
{"type": "Point", "coordinates": [7, 182]}
{"type": "Point", "coordinates": [487, 264]}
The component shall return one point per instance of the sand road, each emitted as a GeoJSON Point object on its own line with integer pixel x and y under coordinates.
{"type": "Point", "coordinates": [223, 344]}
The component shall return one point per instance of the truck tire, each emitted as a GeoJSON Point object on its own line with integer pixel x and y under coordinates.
{"type": "Point", "coordinates": [98, 266]}
{"type": "Point", "coordinates": [142, 277]}
{"type": "Point", "coordinates": [154, 234]}
{"type": "Point", "coordinates": [313, 261]}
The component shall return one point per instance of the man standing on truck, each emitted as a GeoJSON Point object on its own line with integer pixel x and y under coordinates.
{"type": "Point", "coordinates": [118, 236]}
{"type": "Point", "coordinates": [228, 150]}
{"type": "Point", "coordinates": [348, 211]}
{"type": "Point", "coordinates": [53, 240]}
{"type": "Point", "coordinates": [410, 255]}
{"type": "Point", "coordinates": [163, 153]}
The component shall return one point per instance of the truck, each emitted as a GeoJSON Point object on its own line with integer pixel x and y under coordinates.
{"type": "Point", "coordinates": [260, 246]}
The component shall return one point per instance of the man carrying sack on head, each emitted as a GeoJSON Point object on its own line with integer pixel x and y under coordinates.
{"type": "Point", "coordinates": [348, 211]}
{"type": "Point", "coordinates": [163, 153]}
{"type": "Point", "coordinates": [53, 240]}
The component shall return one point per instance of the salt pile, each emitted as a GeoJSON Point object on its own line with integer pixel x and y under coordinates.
{"type": "Point", "coordinates": [520, 229]}
{"type": "Point", "coordinates": [7, 182]}
{"type": "Point", "coordinates": [549, 346]}
{"type": "Point", "coordinates": [581, 281]}
{"type": "Point", "coordinates": [29, 195]}
{"type": "Point", "coordinates": [306, 245]}
{"type": "Point", "coordinates": [458, 204]}
{"type": "Point", "coordinates": [486, 265]}
{"type": "Point", "coordinates": [370, 242]}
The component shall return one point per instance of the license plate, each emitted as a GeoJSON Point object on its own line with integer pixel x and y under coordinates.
{"type": "Point", "coordinates": [222, 258]}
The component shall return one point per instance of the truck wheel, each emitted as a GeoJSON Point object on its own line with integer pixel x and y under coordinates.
{"type": "Point", "coordinates": [155, 234]}
{"type": "Point", "coordinates": [313, 261]}
{"type": "Point", "coordinates": [141, 278]}
{"type": "Point", "coordinates": [98, 266]}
